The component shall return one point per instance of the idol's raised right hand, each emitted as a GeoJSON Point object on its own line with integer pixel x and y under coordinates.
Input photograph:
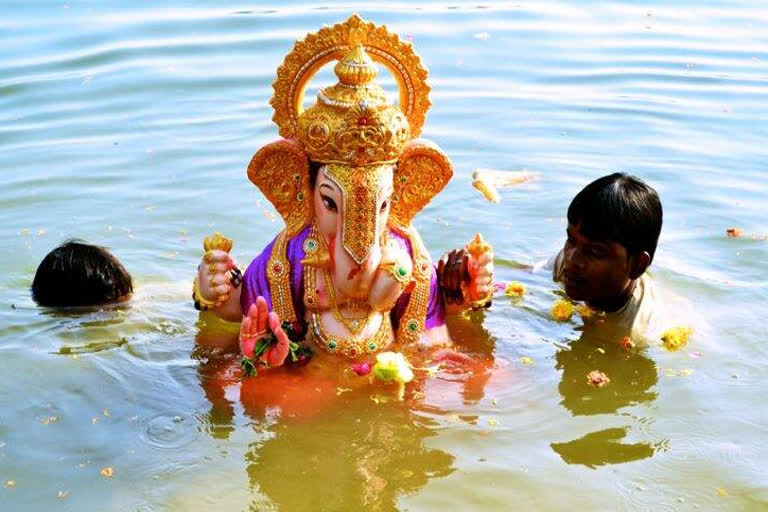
{"type": "Point", "coordinates": [257, 324]}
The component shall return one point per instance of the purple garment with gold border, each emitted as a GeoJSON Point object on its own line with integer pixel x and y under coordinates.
{"type": "Point", "coordinates": [255, 282]}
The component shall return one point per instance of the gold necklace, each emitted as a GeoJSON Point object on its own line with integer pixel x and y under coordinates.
{"type": "Point", "coordinates": [352, 348]}
{"type": "Point", "coordinates": [314, 245]}
{"type": "Point", "coordinates": [354, 324]}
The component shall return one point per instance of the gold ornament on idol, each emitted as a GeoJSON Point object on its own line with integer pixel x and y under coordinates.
{"type": "Point", "coordinates": [398, 272]}
{"type": "Point", "coordinates": [316, 248]}
{"type": "Point", "coordinates": [352, 348]}
{"type": "Point", "coordinates": [363, 140]}
{"type": "Point", "coordinates": [316, 251]}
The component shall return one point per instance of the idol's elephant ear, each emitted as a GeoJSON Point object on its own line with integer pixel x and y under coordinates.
{"type": "Point", "coordinates": [281, 171]}
{"type": "Point", "coordinates": [423, 170]}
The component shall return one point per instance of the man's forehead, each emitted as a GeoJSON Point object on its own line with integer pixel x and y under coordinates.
{"type": "Point", "coordinates": [575, 231]}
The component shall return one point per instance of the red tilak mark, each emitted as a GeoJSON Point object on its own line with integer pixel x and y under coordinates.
{"type": "Point", "coordinates": [353, 272]}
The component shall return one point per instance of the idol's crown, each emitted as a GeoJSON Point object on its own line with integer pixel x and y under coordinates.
{"type": "Point", "coordinates": [352, 122]}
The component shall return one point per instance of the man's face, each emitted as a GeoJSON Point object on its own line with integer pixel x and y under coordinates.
{"type": "Point", "coordinates": [594, 271]}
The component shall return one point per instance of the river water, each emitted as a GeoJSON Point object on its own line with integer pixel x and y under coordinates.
{"type": "Point", "coordinates": [130, 125]}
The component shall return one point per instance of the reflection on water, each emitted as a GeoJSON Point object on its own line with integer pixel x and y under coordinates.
{"type": "Point", "coordinates": [603, 447]}
{"type": "Point", "coordinates": [632, 374]}
{"type": "Point", "coordinates": [355, 445]}
{"type": "Point", "coordinates": [358, 456]}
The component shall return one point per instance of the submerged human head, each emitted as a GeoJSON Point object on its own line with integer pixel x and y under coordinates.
{"type": "Point", "coordinates": [80, 274]}
{"type": "Point", "coordinates": [613, 229]}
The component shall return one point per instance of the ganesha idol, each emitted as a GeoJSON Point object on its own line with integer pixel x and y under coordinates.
{"type": "Point", "coordinates": [349, 273]}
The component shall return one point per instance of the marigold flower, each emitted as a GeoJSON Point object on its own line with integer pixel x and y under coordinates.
{"type": "Point", "coordinates": [597, 378]}
{"type": "Point", "coordinates": [562, 310]}
{"type": "Point", "coordinates": [627, 343]}
{"type": "Point", "coordinates": [586, 312]}
{"type": "Point", "coordinates": [676, 338]}
{"type": "Point", "coordinates": [514, 289]}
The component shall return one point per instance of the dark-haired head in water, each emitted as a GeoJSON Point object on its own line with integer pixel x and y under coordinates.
{"type": "Point", "coordinates": [613, 229]}
{"type": "Point", "coordinates": [80, 274]}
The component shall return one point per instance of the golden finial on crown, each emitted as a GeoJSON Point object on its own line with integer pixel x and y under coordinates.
{"type": "Point", "coordinates": [352, 123]}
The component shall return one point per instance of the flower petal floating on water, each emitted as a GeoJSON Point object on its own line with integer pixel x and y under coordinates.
{"type": "Point", "coordinates": [676, 338]}
{"type": "Point", "coordinates": [527, 361]}
{"type": "Point", "coordinates": [562, 310]}
{"type": "Point", "coordinates": [63, 494]}
{"type": "Point", "coordinates": [392, 367]}
{"type": "Point", "coordinates": [10, 483]}
{"type": "Point", "coordinates": [734, 232]}
{"type": "Point", "coordinates": [514, 289]}
{"type": "Point", "coordinates": [627, 343]}
{"type": "Point", "coordinates": [586, 312]}
{"type": "Point", "coordinates": [362, 369]}
{"type": "Point", "coordinates": [597, 378]}
{"type": "Point", "coordinates": [487, 189]}
{"type": "Point", "coordinates": [107, 472]}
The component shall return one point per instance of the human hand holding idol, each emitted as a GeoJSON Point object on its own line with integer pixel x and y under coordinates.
{"type": "Point", "coordinates": [349, 274]}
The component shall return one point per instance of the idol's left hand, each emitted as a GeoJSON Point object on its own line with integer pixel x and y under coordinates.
{"type": "Point", "coordinates": [465, 279]}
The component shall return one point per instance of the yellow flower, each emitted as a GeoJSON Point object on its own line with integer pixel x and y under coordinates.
{"type": "Point", "coordinates": [107, 472]}
{"type": "Point", "coordinates": [676, 338]}
{"type": "Point", "coordinates": [527, 361]}
{"type": "Point", "coordinates": [562, 310]}
{"type": "Point", "coordinates": [514, 289]}
{"type": "Point", "coordinates": [392, 367]}
{"type": "Point", "coordinates": [586, 312]}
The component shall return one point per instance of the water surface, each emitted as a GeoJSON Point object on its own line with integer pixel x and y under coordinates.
{"type": "Point", "coordinates": [130, 125]}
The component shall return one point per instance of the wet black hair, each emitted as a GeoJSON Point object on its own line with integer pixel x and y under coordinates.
{"type": "Point", "coordinates": [80, 274]}
{"type": "Point", "coordinates": [619, 208]}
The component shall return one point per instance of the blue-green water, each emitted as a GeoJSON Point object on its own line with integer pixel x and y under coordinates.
{"type": "Point", "coordinates": [131, 126]}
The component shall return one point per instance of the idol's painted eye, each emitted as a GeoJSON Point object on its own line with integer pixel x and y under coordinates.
{"type": "Point", "coordinates": [329, 203]}
{"type": "Point", "coordinates": [384, 206]}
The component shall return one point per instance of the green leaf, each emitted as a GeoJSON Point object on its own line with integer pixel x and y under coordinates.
{"type": "Point", "coordinates": [249, 369]}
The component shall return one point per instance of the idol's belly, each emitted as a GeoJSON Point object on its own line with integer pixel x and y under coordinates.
{"type": "Point", "coordinates": [349, 335]}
